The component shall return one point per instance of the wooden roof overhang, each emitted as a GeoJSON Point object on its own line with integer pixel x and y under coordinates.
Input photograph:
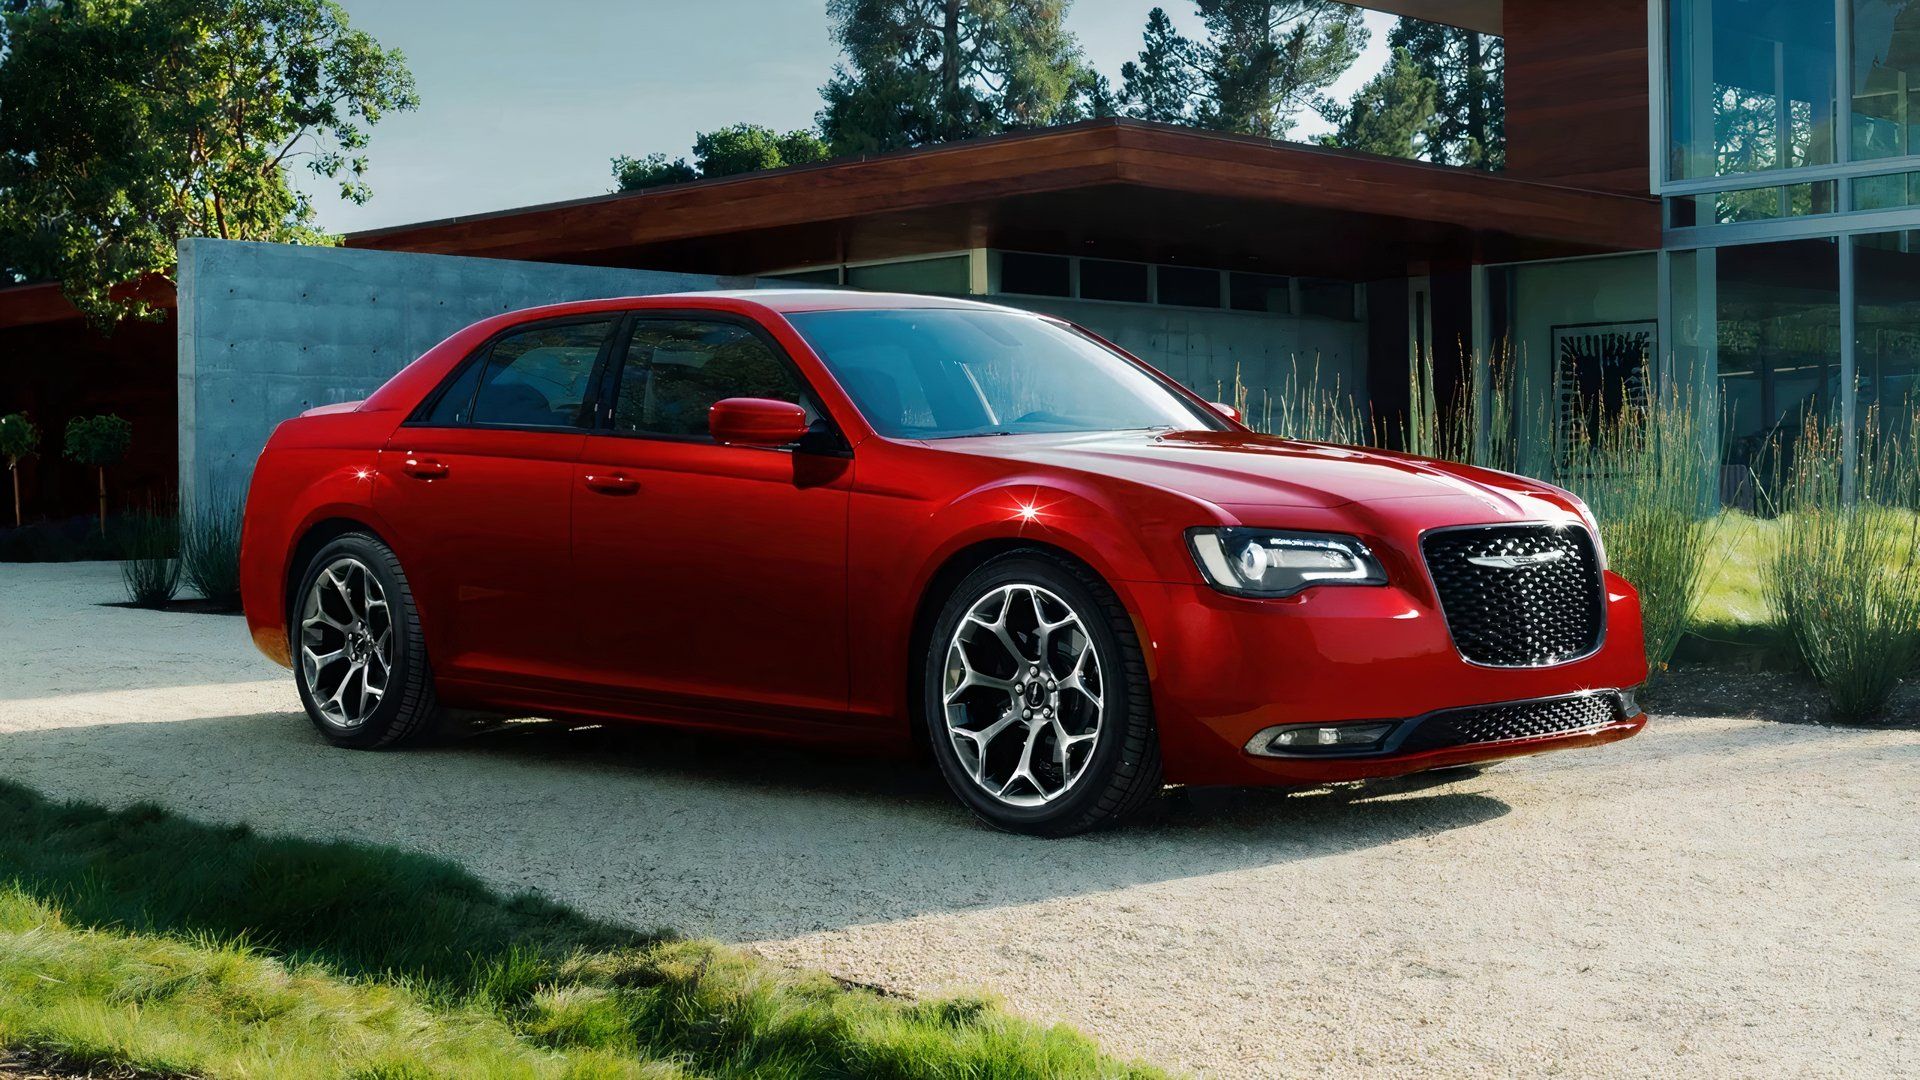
{"type": "Point", "coordinates": [1116, 187]}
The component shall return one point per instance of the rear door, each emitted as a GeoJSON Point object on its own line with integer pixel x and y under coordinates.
{"type": "Point", "coordinates": [478, 484]}
{"type": "Point", "coordinates": [710, 576]}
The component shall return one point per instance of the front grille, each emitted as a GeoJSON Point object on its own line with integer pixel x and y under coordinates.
{"type": "Point", "coordinates": [1506, 723]}
{"type": "Point", "coordinates": [1529, 614]}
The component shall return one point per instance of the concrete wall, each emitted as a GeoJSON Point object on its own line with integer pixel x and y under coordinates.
{"type": "Point", "coordinates": [268, 330]}
{"type": "Point", "coordinates": [1203, 349]}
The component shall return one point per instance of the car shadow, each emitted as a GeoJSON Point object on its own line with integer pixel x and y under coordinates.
{"type": "Point", "coordinates": [711, 835]}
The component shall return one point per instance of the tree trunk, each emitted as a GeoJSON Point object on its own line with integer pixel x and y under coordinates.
{"type": "Point", "coordinates": [15, 470]}
{"type": "Point", "coordinates": [950, 71]}
{"type": "Point", "coordinates": [103, 500]}
{"type": "Point", "coordinates": [1476, 85]}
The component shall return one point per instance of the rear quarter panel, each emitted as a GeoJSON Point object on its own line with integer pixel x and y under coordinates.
{"type": "Point", "coordinates": [315, 468]}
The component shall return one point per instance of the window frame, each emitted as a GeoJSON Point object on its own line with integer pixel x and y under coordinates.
{"type": "Point", "coordinates": [421, 416]}
{"type": "Point", "coordinates": [828, 440]}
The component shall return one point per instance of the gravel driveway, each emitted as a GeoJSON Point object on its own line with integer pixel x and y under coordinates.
{"type": "Point", "coordinates": [1720, 896]}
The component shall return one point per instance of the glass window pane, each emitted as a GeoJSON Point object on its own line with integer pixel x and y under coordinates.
{"type": "Point", "coordinates": [1886, 192]}
{"type": "Point", "coordinates": [1327, 299]}
{"type": "Point", "coordinates": [1035, 275]}
{"type": "Point", "coordinates": [1101, 279]}
{"type": "Point", "coordinates": [932, 373]}
{"type": "Point", "coordinates": [455, 405]}
{"type": "Point", "coordinates": [1259, 292]}
{"type": "Point", "coordinates": [675, 369]}
{"type": "Point", "coordinates": [1749, 86]}
{"type": "Point", "coordinates": [1886, 288]}
{"type": "Point", "coordinates": [1886, 78]}
{"type": "Point", "coordinates": [1753, 204]}
{"type": "Point", "coordinates": [1188, 286]}
{"type": "Point", "coordinates": [943, 277]}
{"type": "Point", "coordinates": [1775, 328]}
{"type": "Point", "coordinates": [538, 377]}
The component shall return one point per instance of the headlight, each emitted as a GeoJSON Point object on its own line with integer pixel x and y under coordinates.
{"type": "Point", "coordinates": [1264, 562]}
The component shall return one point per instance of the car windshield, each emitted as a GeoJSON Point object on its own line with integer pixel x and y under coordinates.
{"type": "Point", "coordinates": [939, 373]}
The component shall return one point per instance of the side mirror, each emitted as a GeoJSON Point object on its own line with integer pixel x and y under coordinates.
{"type": "Point", "coordinates": [745, 421]}
{"type": "Point", "coordinates": [1227, 411]}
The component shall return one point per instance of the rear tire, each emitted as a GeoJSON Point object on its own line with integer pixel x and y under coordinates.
{"type": "Point", "coordinates": [1035, 699]}
{"type": "Point", "coordinates": [359, 658]}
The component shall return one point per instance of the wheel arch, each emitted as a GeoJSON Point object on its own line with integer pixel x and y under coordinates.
{"type": "Point", "coordinates": [317, 535]}
{"type": "Point", "coordinates": [940, 587]}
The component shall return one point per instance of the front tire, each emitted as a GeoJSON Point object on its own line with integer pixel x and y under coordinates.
{"type": "Point", "coordinates": [359, 658]}
{"type": "Point", "coordinates": [1036, 701]}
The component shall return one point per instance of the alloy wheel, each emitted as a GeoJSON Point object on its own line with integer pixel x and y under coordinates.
{"type": "Point", "coordinates": [1024, 695]}
{"type": "Point", "coordinates": [346, 632]}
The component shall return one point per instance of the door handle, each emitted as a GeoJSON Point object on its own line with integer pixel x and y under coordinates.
{"type": "Point", "coordinates": [611, 484]}
{"type": "Point", "coordinates": [423, 470]}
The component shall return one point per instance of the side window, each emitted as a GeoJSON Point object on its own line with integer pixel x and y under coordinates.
{"type": "Point", "coordinates": [536, 377]}
{"type": "Point", "coordinates": [675, 369]}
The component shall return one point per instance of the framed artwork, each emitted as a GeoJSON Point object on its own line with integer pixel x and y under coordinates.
{"type": "Point", "coordinates": [1600, 369]}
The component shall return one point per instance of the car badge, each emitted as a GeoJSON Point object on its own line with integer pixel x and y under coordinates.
{"type": "Point", "coordinates": [1518, 562]}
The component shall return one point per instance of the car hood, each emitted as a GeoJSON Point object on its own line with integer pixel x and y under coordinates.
{"type": "Point", "coordinates": [1232, 468]}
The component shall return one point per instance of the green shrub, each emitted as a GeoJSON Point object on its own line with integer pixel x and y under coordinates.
{"type": "Point", "coordinates": [210, 550]}
{"type": "Point", "coordinates": [1844, 580]}
{"type": "Point", "coordinates": [1647, 475]}
{"type": "Point", "coordinates": [18, 439]}
{"type": "Point", "coordinates": [99, 441]}
{"type": "Point", "coordinates": [151, 570]}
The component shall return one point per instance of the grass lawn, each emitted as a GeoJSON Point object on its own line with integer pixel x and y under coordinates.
{"type": "Point", "coordinates": [136, 938]}
{"type": "Point", "coordinates": [1733, 600]}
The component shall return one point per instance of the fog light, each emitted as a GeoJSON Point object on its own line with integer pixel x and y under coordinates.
{"type": "Point", "coordinates": [1319, 738]}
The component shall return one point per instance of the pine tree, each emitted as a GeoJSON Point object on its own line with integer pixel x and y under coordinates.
{"type": "Point", "coordinates": [930, 71]}
{"type": "Point", "coordinates": [1265, 60]}
{"type": "Point", "coordinates": [1162, 84]}
{"type": "Point", "coordinates": [1468, 70]}
{"type": "Point", "coordinates": [1393, 114]}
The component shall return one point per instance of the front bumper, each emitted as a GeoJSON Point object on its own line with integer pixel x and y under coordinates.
{"type": "Point", "coordinates": [1225, 669]}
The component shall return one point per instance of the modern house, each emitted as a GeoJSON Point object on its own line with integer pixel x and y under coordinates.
{"type": "Point", "coordinates": [1725, 192]}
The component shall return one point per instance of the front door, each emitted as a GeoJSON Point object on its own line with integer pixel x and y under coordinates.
{"type": "Point", "coordinates": [709, 576]}
{"type": "Point", "coordinates": [477, 490]}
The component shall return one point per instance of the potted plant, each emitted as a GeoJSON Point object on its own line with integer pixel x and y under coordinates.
{"type": "Point", "coordinates": [99, 441]}
{"type": "Point", "coordinates": [18, 439]}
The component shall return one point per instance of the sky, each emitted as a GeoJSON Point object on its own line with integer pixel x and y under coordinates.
{"type": "Point", "coordinates": [524, 103]}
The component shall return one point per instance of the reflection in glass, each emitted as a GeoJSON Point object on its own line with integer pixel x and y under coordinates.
{"type": "Point", "coordinates": [1886, 192]}
{"type": "Point", "coordinates": [1886, 77]}
{"type": "Point", "coordinates": [1752, 204]}
{"type": "Point", "coordinates": [1750, 86]}
{"type": "Point", "coordinates": [1887, 328]}
{"type": "Point", "coordinates": [1777, 343]}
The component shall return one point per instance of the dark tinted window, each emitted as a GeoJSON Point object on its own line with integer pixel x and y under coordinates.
{"type": "Point", "coordinates": [1327, 299]}
{"type": "Point", "coordinates": [1103, 280]}
{"type": "Point", "coordinates": [1035, 275]}
{"type": "Point", "coordinates": [675, 370]}
{"type": "Point", "coordinates": [1259, 292]}
{"type": "Point", "coordinates": [1188, 287]}
{"type": "Point", "coordinates": [536, 377]}
{"type": "Point", "coordinates": [456, 401]}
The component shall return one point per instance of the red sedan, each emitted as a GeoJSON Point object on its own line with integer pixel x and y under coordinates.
{"type": "Point", "coordinates": [881, 520]}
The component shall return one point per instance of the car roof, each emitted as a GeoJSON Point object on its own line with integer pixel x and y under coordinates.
{"type": "Point", "coordinates": [777, 301]}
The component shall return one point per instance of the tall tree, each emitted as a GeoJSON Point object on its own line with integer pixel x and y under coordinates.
{"type": "Point", "coordinates": [930, 71]}
{"type": "Point", "coordinates": [1393, 114]}
{"type": "Point", "coordinates": [1265, 60]}
{"type": "Point", "coordinates": [1164, 82]}
{"type": "Point", "coordinates": [1468, 70]}
{"type": "Point", "coordinates": [740, 148]}
{"type": "Point", "coordinates": [751, 148]}
{"type": "Point", "coordinates": [130, 124]}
